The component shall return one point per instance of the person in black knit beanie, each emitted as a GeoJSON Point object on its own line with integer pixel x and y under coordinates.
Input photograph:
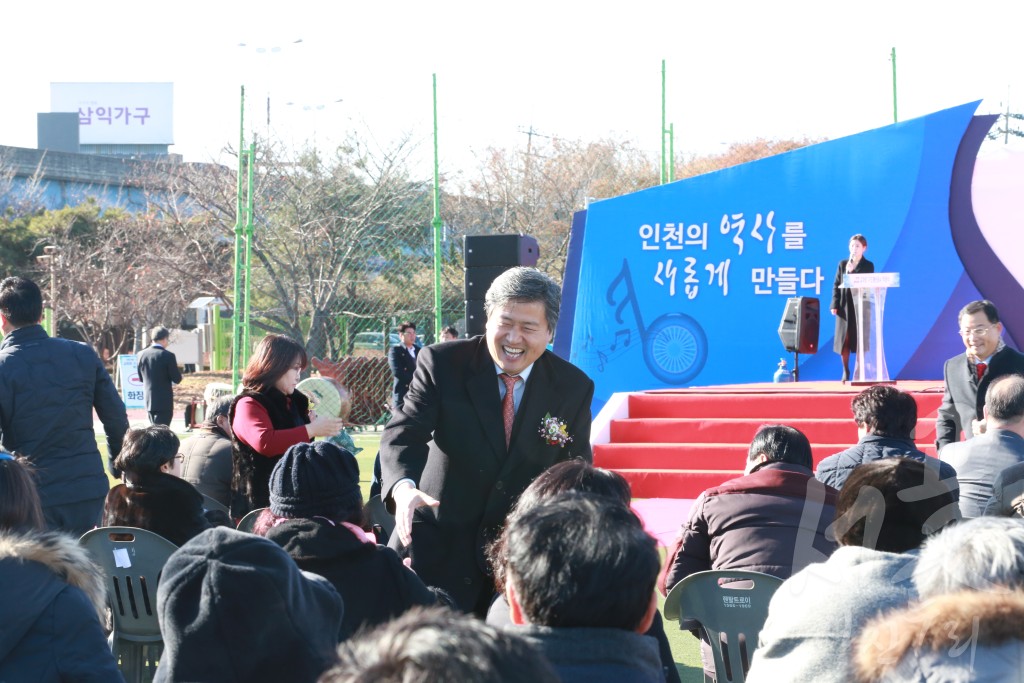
{"type": "Point", "coordinates": [316, 513]}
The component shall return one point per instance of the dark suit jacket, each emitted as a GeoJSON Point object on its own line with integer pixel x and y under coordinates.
{"type": "Point", "coordinates": [978, 462]}
{"type": "Point", "coordinates": [964, 397]}
{"type": "Point", "coordinates": [402, 367]}
{"type": "Point", "coordinates": [450, 440]}
{"type": "Point", "coordinates": [158, 369]}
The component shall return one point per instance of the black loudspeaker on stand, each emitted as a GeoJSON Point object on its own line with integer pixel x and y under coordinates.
{"type": "Point", "coordinates": [799, 328]}
{"type": "Point", "coordinates": [486, 257]}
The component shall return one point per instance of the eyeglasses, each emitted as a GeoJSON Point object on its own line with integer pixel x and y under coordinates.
{"type": "Point", "coordinates": [976, 332]}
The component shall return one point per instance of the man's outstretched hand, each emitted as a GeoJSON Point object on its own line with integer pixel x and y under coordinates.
{"type": "Point", "coordinates": [407, 499]}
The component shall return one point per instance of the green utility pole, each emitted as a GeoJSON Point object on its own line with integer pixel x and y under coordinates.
{"type": "Point", "coordinates": [436, 223]}
{"type": "Point", "coordinates": [236, 332]}
{"type": "Point", "coordinates": [251, 161]}
{"type": "Point", "coordinates": [895, 118]}
{"type": "Point", "coordinates": [672, 152]}
{"type": "Point", "coordinates": [664, 173]}
{"type": "Point", "coordinates": [668, 171]}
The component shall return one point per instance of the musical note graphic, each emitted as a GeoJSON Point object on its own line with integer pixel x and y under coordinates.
{"type": "Point", "coordinates": [619, 334]}
{"type": "Point", "coordinates": [674, 347]}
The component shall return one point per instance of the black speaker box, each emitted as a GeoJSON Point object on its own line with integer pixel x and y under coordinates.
{"type": "Point", "coordinates": [476, 319]}
{"type": "Point", "coordinates": [800, 324]}
{"type": "Point", "coordinates": [482, 251]}
{"type": "Point", "coordinates": [478, 280]}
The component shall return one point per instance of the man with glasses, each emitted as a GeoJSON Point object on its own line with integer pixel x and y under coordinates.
{"type": "Point", "coordinates": [968, 375]}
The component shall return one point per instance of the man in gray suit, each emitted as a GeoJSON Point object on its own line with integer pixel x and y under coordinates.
{"type": "Point", "coordinates": [980, 460]}
{"type": "Point", "coordinates": [968, 376]}
{"type": "Point", "coordinates": [158, 369]}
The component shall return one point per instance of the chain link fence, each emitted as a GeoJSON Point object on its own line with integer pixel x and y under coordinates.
{"type": "Point", "coordinates": [358, 339]}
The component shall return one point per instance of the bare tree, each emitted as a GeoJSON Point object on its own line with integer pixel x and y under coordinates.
{"type": "Point", "coordinates": [536, 191]}
{"type": "Point", "coordinates": [111, 272]}
{"type": "Point", "coordinates": [331, 235]}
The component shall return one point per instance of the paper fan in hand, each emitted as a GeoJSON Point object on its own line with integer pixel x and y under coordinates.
{"type": "Point", "coordinates": [327, 395]}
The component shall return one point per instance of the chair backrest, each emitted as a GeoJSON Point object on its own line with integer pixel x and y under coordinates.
{"type": "Point", "coordinates": [732, 607]}
{"type": "Point", "coordinates": [131, 560]}
{"type": "Point", "coordinates": [377, 514]}
{"type": "Point", "coordinates": [247, 522]}
{"type": "Point", "coordinates": [214, 504]}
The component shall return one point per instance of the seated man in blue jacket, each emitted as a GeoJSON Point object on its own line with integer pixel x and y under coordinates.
{"type": "Point", "coordinates": [886, 418]}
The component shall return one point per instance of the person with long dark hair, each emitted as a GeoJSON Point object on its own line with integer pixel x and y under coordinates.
{"type": "Point", "coordinates": [843, 303]}
{"type": "Point", "coordinates": [267, 417]}
{"type": "Point", "coordinates": [151, 496]}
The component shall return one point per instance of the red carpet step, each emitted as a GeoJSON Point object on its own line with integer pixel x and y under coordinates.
{"type": "Point", "coordinates": [675, 444]}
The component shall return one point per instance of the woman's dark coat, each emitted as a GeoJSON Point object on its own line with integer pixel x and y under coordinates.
{"type": "Point", "coordinates": [158, 502]}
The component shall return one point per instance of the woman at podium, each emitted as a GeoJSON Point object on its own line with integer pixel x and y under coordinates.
{"type": "Point", "coordinates": [842, 301]}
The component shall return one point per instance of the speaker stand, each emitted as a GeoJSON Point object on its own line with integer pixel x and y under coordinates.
{"type": "Point", "coordinates": [796, 366]}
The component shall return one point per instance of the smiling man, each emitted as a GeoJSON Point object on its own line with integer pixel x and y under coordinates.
{"type": "Point", "coordinates": [968, 375]}
{"type": "Point", "coordinates": [469, 438]}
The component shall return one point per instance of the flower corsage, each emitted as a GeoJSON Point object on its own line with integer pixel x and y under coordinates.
{"type": "Point", "coordinates": [554, 431]}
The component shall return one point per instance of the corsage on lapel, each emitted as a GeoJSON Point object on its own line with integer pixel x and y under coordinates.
{"type": "Point", "coordinates": [554, 431]}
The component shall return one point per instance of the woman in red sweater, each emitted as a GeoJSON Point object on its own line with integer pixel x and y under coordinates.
{"type": "Point", "coordinates": [267, 417]}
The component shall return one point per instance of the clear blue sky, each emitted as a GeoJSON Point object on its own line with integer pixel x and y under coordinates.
{"type": "Point", "coordinates": [736, 70]}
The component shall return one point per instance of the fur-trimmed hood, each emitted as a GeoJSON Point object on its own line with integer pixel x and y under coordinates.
{"type": "Point", "coordinates": [948, 631]}
{"type": "Point", "coordinates": [62, 555]}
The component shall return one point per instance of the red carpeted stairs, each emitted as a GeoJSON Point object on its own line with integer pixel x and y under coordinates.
{"type": "Point", "coordinates": [675, 444]}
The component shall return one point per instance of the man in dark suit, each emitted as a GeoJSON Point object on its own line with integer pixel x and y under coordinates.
{"type": "Point", "coordinates": [402, 361]}
{"type": "Point", "coordinates": [469, 439]}
{"type": "Point", "coordinates": [158, 369]}
{"type": "Point", "coordinates": [969, 375]}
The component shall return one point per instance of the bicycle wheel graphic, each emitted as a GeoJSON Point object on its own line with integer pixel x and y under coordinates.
{"type": "Point", "coordinates": [675, 348]}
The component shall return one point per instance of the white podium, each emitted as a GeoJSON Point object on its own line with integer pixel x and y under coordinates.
{"type": "Point", "coordinates": [868, 292]}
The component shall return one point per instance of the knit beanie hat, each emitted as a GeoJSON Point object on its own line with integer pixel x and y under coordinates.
{"type": "Point", "coordinates": [234, 606]}
{"type": "Point", "coordinates": [315, 479]}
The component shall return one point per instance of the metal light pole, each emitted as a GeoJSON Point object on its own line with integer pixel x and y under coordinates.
{"type": "Point", "coordinates": [236, 332]}
{"type": "Point", "coordinates": [267, 51]}
{"type": "Point", "coordinates": [315, 109]}
{"type": "Point", "coordinates": [49, 257]}
{"type": "Point", "coordinates": [248, 252]}
{"type": "Point", "coordinates": [664, 175]}
{"type": "Point", "coordinates": [668, 162]}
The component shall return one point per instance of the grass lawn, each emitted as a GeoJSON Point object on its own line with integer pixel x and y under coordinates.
{"type": "Point", "coordinates": [685, 647]}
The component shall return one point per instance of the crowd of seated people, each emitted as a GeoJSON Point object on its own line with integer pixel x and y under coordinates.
{"type": "Point", "coordinates": [881, 571]}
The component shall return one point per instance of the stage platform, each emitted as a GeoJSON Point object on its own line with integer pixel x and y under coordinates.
{"type": "Point", "coordinates": [674, 443]}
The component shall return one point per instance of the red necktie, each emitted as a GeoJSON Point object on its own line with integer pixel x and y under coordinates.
{"type": "Point", "coordinates": [508, 404]}
{"type": "Point", "coordinates": [981, 369]}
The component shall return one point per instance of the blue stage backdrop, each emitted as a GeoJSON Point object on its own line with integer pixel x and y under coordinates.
{"type": "Point", "coordinates": [685, 284]}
